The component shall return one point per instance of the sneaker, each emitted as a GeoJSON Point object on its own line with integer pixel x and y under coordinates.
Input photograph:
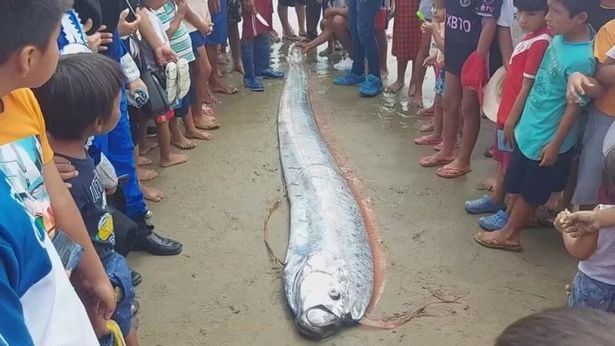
{"type": "Point", "coordinates": [371, 87]}
{"type": "Point", "coordinates": [349, 79]}
{"type": "Point", "coordinates": [483, 205]}
{"type": "Point", "coordinates": [343, 65]}
{"type": "Point", "coordinates": [494, 222]}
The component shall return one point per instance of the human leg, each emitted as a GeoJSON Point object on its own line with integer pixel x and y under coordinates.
{"type": "Point", "coordinates": [418, 71]}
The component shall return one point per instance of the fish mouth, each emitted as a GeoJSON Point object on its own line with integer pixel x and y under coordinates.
{"type": "Point", "coordinates": [318, 322]}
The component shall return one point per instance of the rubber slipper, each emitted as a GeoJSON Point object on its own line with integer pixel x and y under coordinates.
{"type": "Point", "coordinates": [427, 127]}
{"type": "Point", "coordinates": [430, 161]}
{"type": "Point", "coordinates": [183, 76]}
{"type": "Point", "coordinates": [425, 112]}
{"type": "Point", "coordinates": [497, 246]}
{"type": "Point", "coordinates": [427, 140]}
{"type": "Point", "coordinates": [171, 82]}
{"type": "Point", "coordinates": [451, 173]}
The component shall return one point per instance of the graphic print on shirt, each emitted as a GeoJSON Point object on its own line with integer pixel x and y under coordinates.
{"type": "Point", "coordinates": [21, 162]}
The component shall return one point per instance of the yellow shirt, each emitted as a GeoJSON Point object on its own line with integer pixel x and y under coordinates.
{"type": "Point", "coordinates": [604, 41]}
{"type": "Point", "coordinates": [24, 150]}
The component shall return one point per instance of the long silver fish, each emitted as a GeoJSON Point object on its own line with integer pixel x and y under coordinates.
{"type": "Point", "coordinates": [328, 275]}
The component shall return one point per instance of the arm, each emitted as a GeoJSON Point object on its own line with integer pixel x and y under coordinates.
{"type": "Point", "coordinates": [517, 109]}
{"type": "Point", "coordinates": [13, 329]}
{"type": "Point", "coordinates": [487, 35]}
{"type": "Point", "coordinates": [550, 152]}
{"type": "Point", "coordinates": [68, 219]}
{"type": "Point", "coordinates": [197, 21]}
{"type": "Point", "coordinates": [161, 49]}
{"type": "Point", "coordinates": [175, 22]}
{"type": "Point", "coordinates": [580, 85]}
{"type": "Point", "coordinates": [582, 247]}
{"type": "Point", "coordinates": [438, 37]}
{"type": "Point", "coordinates": [506, 44]}
{"type": "Point", "coordinates": [606, 74]}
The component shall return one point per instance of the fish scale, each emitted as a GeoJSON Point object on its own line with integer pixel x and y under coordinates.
{"type": "Point", "coordinates": [328, 275]}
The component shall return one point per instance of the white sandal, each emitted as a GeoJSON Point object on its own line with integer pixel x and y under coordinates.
{"type": "Point", "coordinates": [183, 76]}
{"type": "Point", "coordinates": [171, 72]}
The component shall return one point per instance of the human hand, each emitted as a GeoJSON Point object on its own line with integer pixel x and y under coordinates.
{"type": "Point", "coordinates": [427, 27]}
{"type": "Point", "coordinates": [97, 294]}
{"type": "Point", "coordinates": [577, 82]}
{"type": "Point", "coordinates": [430, 61]}
{"type": "Point", "coordinates": [549, 155]}
{"type": "Point", "coordinates": [136, 85]}
{"type": "Point", "coordinates": [207, 28]}
{"type": "Point", "coordinates": [125, 27]}
{"type": "Point", "coordinates": [182, 7]}
{"type": "Point", "coordinates": [577, 223]}
{"type": "Point", "coordinates": [509, 133]}
{"type": "Point", "coordinates": [164, 54]}
{"type": "Point", "coordinates": [214, 6]}
{"type": "Point", "coordinates": [99, 40]}
{"type": "Point", "coordinates": [92, 307]}
{"type": "Point", "coordinates": [248, 6]}
{"type": "Point", "coordinates": [66, 169]}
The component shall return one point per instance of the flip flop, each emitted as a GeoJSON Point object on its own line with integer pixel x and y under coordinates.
{"type": "Point", "coordinates": [495, 245]}
{"type": "Point", "coordinates": [427, 140]}
{"type": "Point", "coordinates": [183, 78]}
{"type": "Point", "coordinates": [451, 173]}
{"type": "Point", "coordinates": [430, 161]}
{"type": "Point", "coordinates": [171, 82]}
{"type": "Point", "coordinates": [425, 112]}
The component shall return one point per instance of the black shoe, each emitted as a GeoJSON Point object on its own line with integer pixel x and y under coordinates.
{"type": "Point", "coordinates": [158, 246]}
{"type": "Point", "coordinates": [136, 278]}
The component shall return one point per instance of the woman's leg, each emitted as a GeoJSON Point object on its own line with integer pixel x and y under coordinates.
{"type": "Point", "coordinates": [401, 77]}
{"type": "Point", "coordinates": [383, 45]}
{"type": "Point", "coordinates": [418, 72]}
{"type": "Point", "coordinates": [470, 112]}
{"type": "Point", "coordinates": [234, 43]}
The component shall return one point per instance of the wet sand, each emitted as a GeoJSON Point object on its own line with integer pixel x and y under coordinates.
{"type": "Point", "coordinates": [224, 290]}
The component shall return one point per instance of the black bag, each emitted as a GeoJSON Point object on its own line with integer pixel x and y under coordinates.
{"type": "Point", "coordinates": [154, 79]}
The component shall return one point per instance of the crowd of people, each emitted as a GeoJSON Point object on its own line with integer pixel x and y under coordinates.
{"type": "Point", "coordinates": [84, 84]}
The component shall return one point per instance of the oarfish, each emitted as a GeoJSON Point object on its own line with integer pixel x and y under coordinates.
{"type": "Point", "coordinates": [328, 273]}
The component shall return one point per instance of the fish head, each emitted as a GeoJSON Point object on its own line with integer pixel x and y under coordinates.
{"type": "Point", "coordinates": [322, 301]}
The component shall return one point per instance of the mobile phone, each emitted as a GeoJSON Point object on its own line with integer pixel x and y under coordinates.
{"type": "Point", "coordinates": [132, 14]}
{"type": "Point", "coordinates": [502, 145]}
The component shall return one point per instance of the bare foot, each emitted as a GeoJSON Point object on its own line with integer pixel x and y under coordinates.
{"type": "Point", "coordinates": [143, 161]}
{"type": "Point", "coordinates": [183, 143]}
{"type": "Point", "coordinates": [291, 37]}
{"type": "Point", "coordinates": [173, 160]}
{"type": "Point", "coordinates": [395, 87]}
{"type": "Point", "coordinates": [384, 74]}
{"type": "Point", "coordinates": [210, 99]}
{"type": "Point", "coordinates": [427, 127]}
{"type": "Point", "coordinates": [411, 90]}
{"type": "Point", "coordinates": [223, 89]}
{"type": "Point", "coordinates": [198, 134]}
{"type": "Point", "coordinates": [146, 174]}
{"type": "Point", "coordinates": [222, 59]}
{"type": "Point", "coordinates": [208, 111]}
{"type": "Point", "coordinates": [425, 111]}
{"type": "Point", "coordinates": [417, 100]}
{"type": "Point", "coordinates": [326, 52]}
{"type": "Point", "coordinates": [238, 67]}
{"type": "Point", "coordinates": [206, 123]}
{"type": "Point", "coordinates": [144, 149]}
{"type": "Point", "coordinates": [152, 194]}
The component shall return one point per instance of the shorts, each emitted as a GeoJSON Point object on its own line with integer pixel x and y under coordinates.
{"type": "Point", "coordinates": [182, 106]}
{"type": "Point", "coordinates": [589, 178]}
{"type": "Point", "coordinates": [425, 7]}
{"type": "Point", "coordinates": [454, 62]}
{"type": "Point", "coordinates": [503, 157]}
{"type": "Point", "coordinates": [121, 280]}
{"type": "Point", "coordinates": [292, 3]}
{"type": "Point", "coordinates": [440, 82]}
{"type": "Point", "coordinates": [220, 20]}
{"type": "Point", "coordinates": [198, 41]}
{"type": "Point", "coordinates": [234, 11]}
{"type": "Point", "coordinates": [534, 183]}
{"type": "Point", "coordinates": [587, 292]}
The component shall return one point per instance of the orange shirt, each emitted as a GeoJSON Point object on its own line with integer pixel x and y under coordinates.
{"type": "Point", "coordinates": [604, 41]}
{"type": "Point", "coordinates": [24, 150]}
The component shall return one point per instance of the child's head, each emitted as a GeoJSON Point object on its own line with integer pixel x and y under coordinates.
{"type": "Point", "coordinates": [438, 11]}
{"type": "Point", "coordinates": [565, 16]}
{"type": "Point", "coordinates": [155, 4]}
{"type": "Point", "coordinates": [82, 97]}
{"type": "Point", "coordinates": [29, 52]}
{"type": "Point", "coordinates": [531, 14]}
{"type": "Point", "coordinates": [561, 327]}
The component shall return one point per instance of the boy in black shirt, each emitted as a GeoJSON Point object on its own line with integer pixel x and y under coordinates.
{"type": "Point", "coordinates": [79, 101]}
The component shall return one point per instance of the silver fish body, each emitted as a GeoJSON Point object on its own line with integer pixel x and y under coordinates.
{"type": "Point", "coordinates": [328, 275]}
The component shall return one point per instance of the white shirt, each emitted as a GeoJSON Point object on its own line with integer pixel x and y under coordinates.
{"type": "Point", "coordinates": [601, 265]}
{"type": "Point", "coordinates": [201, 9]}
{"type": "Point", "coordinates": [508, 19]}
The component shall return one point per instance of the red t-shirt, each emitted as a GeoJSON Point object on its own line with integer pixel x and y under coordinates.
{"type": "Point", "coordinates": [524, 62]}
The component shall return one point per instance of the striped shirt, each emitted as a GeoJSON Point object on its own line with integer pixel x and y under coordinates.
{"type": "Point", "coordinates": [180, 41]}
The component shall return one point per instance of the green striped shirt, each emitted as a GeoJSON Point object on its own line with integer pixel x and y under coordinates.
{"type": "Point", "coordinates": [180, 41]}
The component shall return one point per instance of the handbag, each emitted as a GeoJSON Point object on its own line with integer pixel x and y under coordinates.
{"type": "Point", "coordinates": [157, 104]}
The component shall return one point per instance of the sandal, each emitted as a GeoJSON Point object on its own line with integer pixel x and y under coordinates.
{"type": "Point", "coordinates": [183, 76]}
{"type": "Point", "coordinates": [427, 140]}
{"type": "Point", "coordinates": [171, 82]}
{"type": "Point", "coordinates": [451, 173]}
{"type": "Point", "coordinates": [427, 127]}
{"type": "Point", "coordinates": [432, 161]}
{"type": "Point", "coordinates": [515, 247]}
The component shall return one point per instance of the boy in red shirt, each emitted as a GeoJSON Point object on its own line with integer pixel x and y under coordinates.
{"type": "Point", "coordinates": [522, 68]}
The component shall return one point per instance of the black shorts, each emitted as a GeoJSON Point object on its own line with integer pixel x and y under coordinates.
{"type": "Point", "coordinates": [292, 3]}
{"type": "Point", "coordinates": [534, 183]}
{"type": "Point", "coordinates": [457, 57]}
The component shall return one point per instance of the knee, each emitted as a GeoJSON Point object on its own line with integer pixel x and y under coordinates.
{"type": "Point", "coordinates": [323, 24]}
{"type": "Point", "coordinates": [338, 22]}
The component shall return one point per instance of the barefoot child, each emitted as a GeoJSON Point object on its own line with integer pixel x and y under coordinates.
{"type": "Point", "coordinates": [435, 28]}
{"type": "Point", "coordinates": [547, 132]}
{"type": "Point", "coordinates": [406, 41]}
{"type": "Point", "coordinates": [335, 27]}
{"type": "Point", "coordinates": [469, 34]}
{"type": "Point", "coordinates": [79, 101]}
{"type": "Point", "coordinates": [522, 67]}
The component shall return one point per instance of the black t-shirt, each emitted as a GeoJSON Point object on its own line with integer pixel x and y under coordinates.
{"type": "Point", "coordinates": [89, 195]}
{"type": "Point", "coordinates": [599, 16]}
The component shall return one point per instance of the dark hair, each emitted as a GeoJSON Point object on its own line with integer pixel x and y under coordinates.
{"type": "Point", "coordinates": [576, 7]}
{"type": "Point", "coordinates": [81, 90]}
{"type": "Point", "coordinates": [28, 22]}
{"type": "Point", "coordinates": [531, 5]}
{"type": "Point", "coordinates": [561, 327]}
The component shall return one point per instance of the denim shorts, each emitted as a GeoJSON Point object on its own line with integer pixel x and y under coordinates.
{"type": "Point", "coordinates": [121, 280]}
{"type": "Point", "coordinates": [440, 83]}
{"type": "Point", "coordinates": [591, 293]}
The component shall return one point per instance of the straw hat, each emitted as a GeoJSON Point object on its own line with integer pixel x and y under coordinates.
{"type": "Point", "coordinates": [492, 94]}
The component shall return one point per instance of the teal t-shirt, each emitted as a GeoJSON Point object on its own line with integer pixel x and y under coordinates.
{"type": "Point", "coordinates": [546, 102]}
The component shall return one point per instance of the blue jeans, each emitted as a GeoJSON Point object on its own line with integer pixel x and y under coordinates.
{"type": "Point", "coordinates": [592, 293]}
{"type": "Point", "coordinates": [362, 18]}
{"type": "Point", "coordinates": [119, 149]}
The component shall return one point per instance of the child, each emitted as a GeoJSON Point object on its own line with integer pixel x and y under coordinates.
{"type": "Point", "coordinates": [79, 101]}
{"type": "Point", "coordinates": [255, 52]}
{"type": "Point", "coordinates": [28, 58]}
{"type": "Point", "coordinates": [546, 134]}
{"type": "Point", "coordinates": [436, 29]}
{"type": "Point", "coordinates": [470, 29]}
{"type": "Point", "coordinates": [218, 37]}
{"type": "Point", "coordinates": [522, 67]}
{"type": "Point", "coordinates": [406, 41]}
{"type": "Point", "coordinates": [334, 26]}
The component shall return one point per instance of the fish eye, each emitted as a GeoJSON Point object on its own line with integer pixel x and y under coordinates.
{"type": "Point", "coordinates": [334, 294]}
